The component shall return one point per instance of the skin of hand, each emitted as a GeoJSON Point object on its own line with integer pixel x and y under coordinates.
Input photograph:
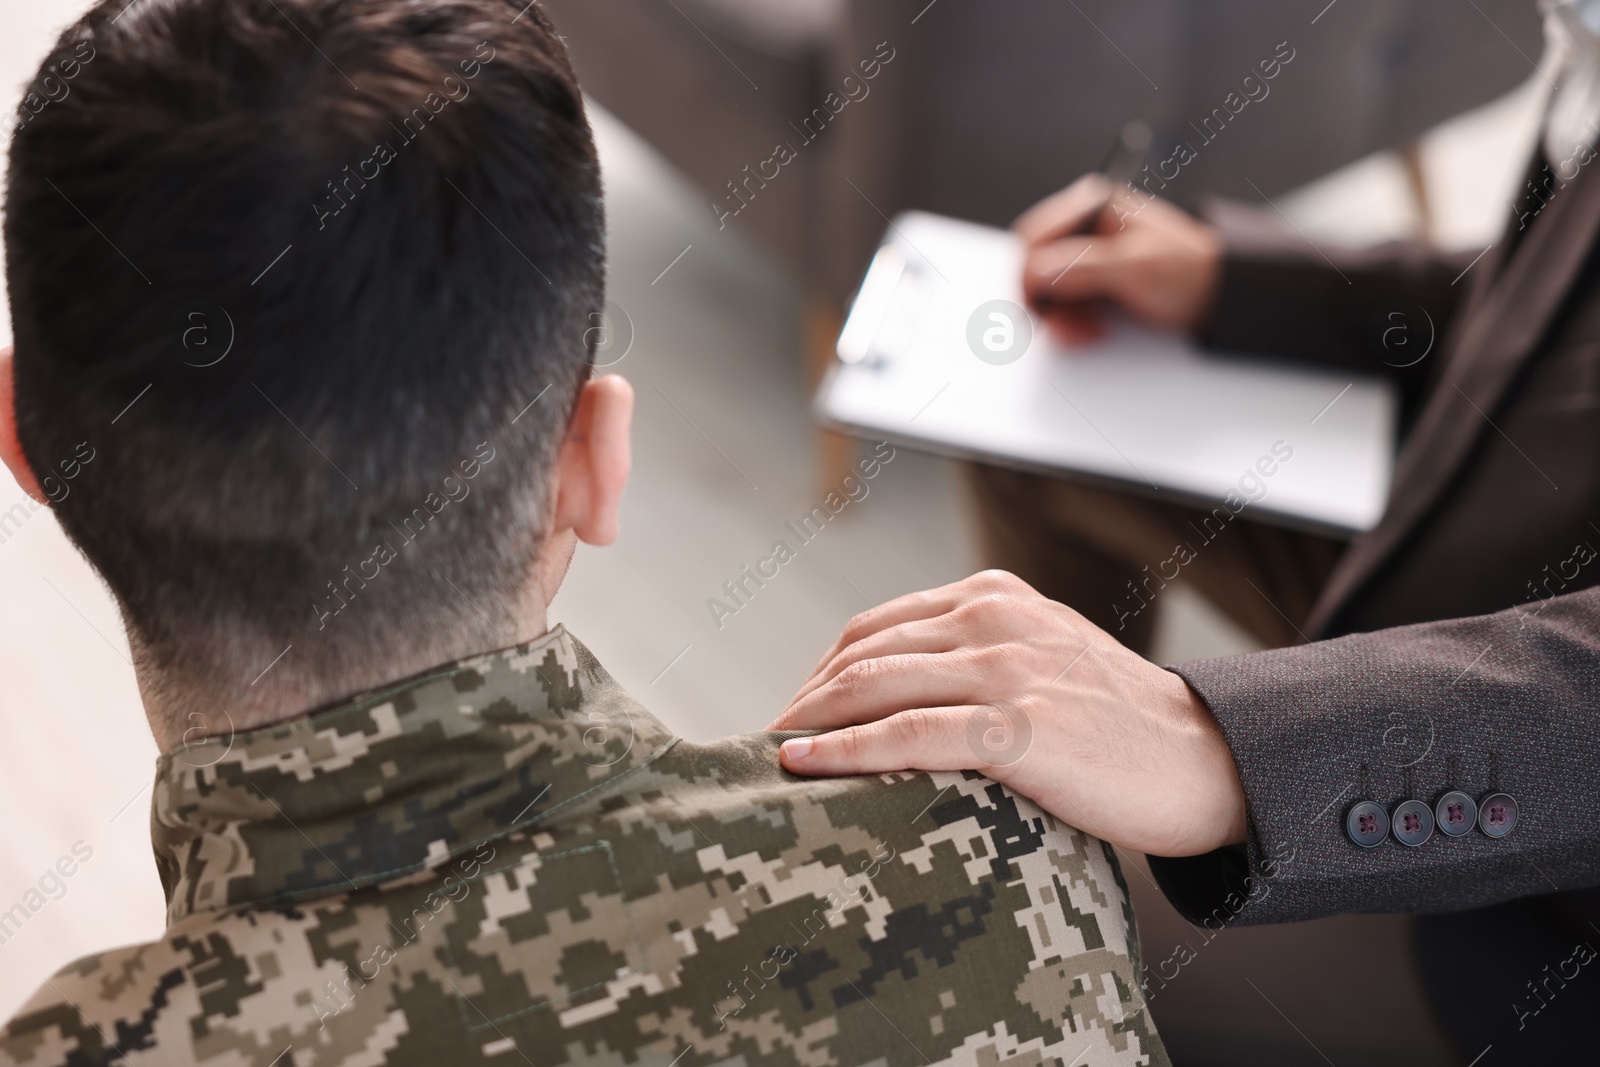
{"type": "Point", "coordinates": [1157, 263]}
{"type": "Point", "coordinates": [988, 675]}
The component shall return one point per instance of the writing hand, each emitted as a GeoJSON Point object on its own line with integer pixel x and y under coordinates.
{"type": "Point", "coordinates": [1093, 246]}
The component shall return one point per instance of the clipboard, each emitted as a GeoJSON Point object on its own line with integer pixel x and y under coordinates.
{"type": "Point", "coordinates": [939, 354]}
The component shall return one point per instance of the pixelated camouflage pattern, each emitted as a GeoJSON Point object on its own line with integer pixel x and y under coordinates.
{"type": "Point", "coordinates": [508, 861]}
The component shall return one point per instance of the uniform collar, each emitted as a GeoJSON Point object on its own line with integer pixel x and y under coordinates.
{"type": "Point", "coordinates": [393, 781]}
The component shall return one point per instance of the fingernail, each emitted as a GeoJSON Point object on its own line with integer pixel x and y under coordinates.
{"type": "Point", "coordinates": [797, 748]}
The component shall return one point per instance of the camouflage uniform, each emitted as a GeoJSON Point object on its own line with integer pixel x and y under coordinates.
{"type": "Point", "coordinates": [508, 860]}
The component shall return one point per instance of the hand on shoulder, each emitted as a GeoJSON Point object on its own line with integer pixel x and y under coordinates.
{"type": "Point", "coordinates": [986, 674]}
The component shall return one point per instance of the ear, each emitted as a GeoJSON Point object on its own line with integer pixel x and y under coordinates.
{"type": "Point", "coordinates": [10, 446]}
{"type": "Point", "coordinates": [596, 455]}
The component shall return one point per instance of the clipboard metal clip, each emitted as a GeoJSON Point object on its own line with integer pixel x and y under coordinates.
{"type": "Point", "coordinates": [873, 302]}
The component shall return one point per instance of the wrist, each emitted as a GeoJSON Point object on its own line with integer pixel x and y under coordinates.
{"type": "Point", "coordinates": [1218, 792]}
{"type": "Point", "coordinates": [1207, 278]}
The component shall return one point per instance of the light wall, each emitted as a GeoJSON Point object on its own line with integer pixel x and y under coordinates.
{"type": "Point", "coordinates": [75, 755]}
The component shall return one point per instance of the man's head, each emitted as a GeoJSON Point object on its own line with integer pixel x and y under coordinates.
{"type": "Point", "coordinates": [314, 284]}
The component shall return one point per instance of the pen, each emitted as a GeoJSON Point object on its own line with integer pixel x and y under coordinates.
{"type": "Point", "coordinates": [1122, 162]}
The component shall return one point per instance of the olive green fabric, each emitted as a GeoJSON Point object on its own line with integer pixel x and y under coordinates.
{"type": "Point", "coordinates": [509, 860]}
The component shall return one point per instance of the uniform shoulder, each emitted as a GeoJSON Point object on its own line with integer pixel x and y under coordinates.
{"type": "Point", "coordinates": [334, 978]}
{"type": "Point", "coordinates": [97, 1009]}
{"type": "Point", "coordinates": [1004, 931]}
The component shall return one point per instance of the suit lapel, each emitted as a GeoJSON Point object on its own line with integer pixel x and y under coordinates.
{"type": "Point", "coordinates": [1503, 323]}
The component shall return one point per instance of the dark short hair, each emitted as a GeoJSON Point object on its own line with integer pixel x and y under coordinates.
{"type": "Point", "coordinates": [392, 213]}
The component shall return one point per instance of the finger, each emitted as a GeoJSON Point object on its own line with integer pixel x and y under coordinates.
{"type": "Point", "coordinates": [872, 689]}
{"type": "Point", "coordinates": [927, 604]}
{"type": "Point", "coordinates": [920, 636]}
{"type": "Point", "coordinates": [1076, 324]}
{"type": "Point", "coordinates": [1072, 269]}
{"type": "Point", "coordinates": [921, 739]}
{"type": "Point", "coordinates": [1065, 212]}
{"type": "Point", "coordinates": [913, 607]}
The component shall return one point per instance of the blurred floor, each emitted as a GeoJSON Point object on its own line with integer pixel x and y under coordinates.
{"type": "Point", "coordinates": [723, 460]}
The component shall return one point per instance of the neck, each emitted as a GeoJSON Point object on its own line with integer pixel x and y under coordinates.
{"type": "Point", "coordinates": [198, 698]}
{"type": "Point", "coordinates": [233, 677]}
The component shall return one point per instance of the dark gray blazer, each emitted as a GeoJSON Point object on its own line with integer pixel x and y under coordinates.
{"type": "Point", "coordinates": [1457, 646]}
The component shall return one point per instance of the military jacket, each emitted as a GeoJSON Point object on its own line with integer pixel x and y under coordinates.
{"type": "Point", "coordinates": [507, 860]}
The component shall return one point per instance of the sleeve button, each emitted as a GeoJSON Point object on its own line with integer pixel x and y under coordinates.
{"type": "Point", "coordinates": [1456, 813]}
{"type": "Point", "coordinates": [1366, 824]}
{"type": "Point", "coordinates": [1497, 814]}
{"type": "Point", "coordinates": [1412, 822]}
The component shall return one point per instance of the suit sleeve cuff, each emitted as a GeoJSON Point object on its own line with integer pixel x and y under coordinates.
{"type": "Point", "coordinates": [1498, 704]}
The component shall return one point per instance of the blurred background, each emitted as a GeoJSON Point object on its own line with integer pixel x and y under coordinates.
{"type": "Point", "coordinates": [1398, 118]}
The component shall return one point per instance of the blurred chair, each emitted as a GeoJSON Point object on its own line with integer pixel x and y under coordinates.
{"type": "Point", "coordinates": [989, 105]}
